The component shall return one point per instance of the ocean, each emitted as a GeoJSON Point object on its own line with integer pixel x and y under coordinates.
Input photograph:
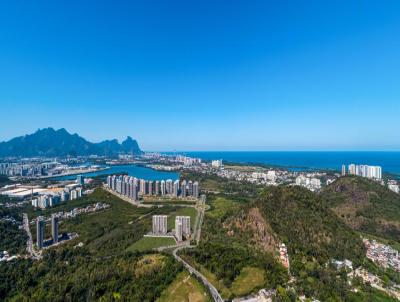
{"type": "Point", "coordinates": [390, 161]}
{"type": "Point", "coordinates": [305, 160]}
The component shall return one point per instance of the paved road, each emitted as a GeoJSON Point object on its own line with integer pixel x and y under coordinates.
{"type": "Point", "coordinates": [200, 207]}
{"type": "Point", "coordinates": [29, 243]}
{"type": "Point", "coordinates": [197, 235]}
{"type": "Point", "coordinates": [213, 291]}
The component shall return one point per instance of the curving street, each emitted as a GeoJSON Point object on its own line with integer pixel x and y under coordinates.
{"type": "Point", "coordinates": [213, 291]}
{"type": "Point", "coordinates": [29, 243]}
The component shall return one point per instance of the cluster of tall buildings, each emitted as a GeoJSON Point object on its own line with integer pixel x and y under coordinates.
{"type": "Point", "coordinates": [50, 198]}
{"type": "Point", "coordinates": [27, 169]}
{"type": "Point", "coordinates": [182, 226]}
{"type": "Point", "coordinates": [311, 183]}
{"type": "Point", "coordinates": [40, 230]}
{"type": "Point", "coordinates": [132, 187]}
{"type": "Point", "coordinates": [373, 172]}
{"type": "Point", "coordinates": [188, 161]}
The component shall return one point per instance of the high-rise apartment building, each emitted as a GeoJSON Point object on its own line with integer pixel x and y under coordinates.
{"type": "Point", "coordinates": [143, 186]}
{"type": "Point", "coordinates": [54, 228]}
{"type": "Point", "coordinates": [190, 188]}
{"type": "Point", "coordinates": [352, 169]}
{"type": "Point", "coordinates": [169, 186]}
{"type": "Point", "coordinates": [163, 188]}
{"type": "Point", "coordinates": [176, 188]}
{"type": "Point", "coordinates": [80, 180]}
{"type": "Point", "coordinates": [216, 163]}
{"type": "Point", "coordinates": [178, 230]}
{"type": "Point", "coordinates": [182, 227]}
{"type": "Point", "coordinates": [373, 172]}
{"type": "Point", "coordinates": [160, 224]}
{"type": "Point", "coordinates": [157, 188]}
{"type": "Point", "coordinates": [196, 189]}
{"type": "Point", "coordinates": [40, 224]}
{"type": "Point", "coordinates": [183, 189]}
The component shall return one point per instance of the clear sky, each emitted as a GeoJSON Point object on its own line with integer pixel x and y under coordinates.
{"type": "Point", "coordinates": [204, 75]}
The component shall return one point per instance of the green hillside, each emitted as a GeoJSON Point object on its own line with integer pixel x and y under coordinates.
{"type": "Point", "coordinates": [307, 226]}
{"type": "Point", "coordinates": [365, 205]}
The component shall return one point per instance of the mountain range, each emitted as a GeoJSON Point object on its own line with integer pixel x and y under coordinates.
{"type": "Point", "coordinates": [51, 142]}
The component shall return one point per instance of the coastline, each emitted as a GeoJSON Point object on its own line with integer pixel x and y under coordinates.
{"type": "Point", "coordinates": [81, 172]}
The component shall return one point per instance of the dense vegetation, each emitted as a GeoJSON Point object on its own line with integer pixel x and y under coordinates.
{"type": "Point", "coordinates": [366, 206]}
{"type": "Point", "coordinates": [103, 269]}
{"type": "Point", "coordinates": [303, 220]}
{"type": "Point", "coordinates": [227, 262]}
{"type": "Point", "coordinates": [225, 259]}
{"type": "Point", "coordinates": [75, 275]}
{"type": "Point", "coordinates": [315, 236]}
{"type": "Point", "coordinates": [311, 231]}
{"type": "Point", "coordinates": [237, 253]}
{"type": "Point", "coordinates": [4, 180]}
{"type": "Point", "coordinates": [12, 238]}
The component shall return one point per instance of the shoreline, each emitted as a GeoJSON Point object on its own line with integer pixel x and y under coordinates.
{"type": "Point", "coordinates": [82, 172]}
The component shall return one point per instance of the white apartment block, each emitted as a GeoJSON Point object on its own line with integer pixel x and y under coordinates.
{"type": "Point", "coordinates": [216, 163]}
{"type": "Point", "coordinates": [373, 172]}
{"type": "Point", "coordinates": [182, 227]}
{"type": "Point", "coordinates": [160, 224]}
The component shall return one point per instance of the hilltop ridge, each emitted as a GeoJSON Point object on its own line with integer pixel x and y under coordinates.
{"type": "Point", "coordinates": [365, 206]}
{"type": "Point", "coordinates": [51, 142]}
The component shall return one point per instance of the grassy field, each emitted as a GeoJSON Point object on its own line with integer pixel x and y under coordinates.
{"type": "Point", "coordinates": [220, 206]}
{"type": "Point", "coordinates": [181, 211]}
{"type": "Point", "coordinates": [168, 201]}
{"type": "Point", "coordinates": [250, 278]}
{"type": "Point", "coordinates": [148, 243]}
{"type": "Point", "coordinates": [242, 168]}
{"type": "Point", "coordinates": [184, 289]}
{"type": "Point", "coordinates": [218, 284]}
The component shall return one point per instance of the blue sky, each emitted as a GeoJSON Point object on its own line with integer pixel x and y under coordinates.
{"type": "Point", "coordinates": [205, 75]}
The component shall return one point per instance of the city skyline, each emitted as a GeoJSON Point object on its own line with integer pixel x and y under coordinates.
{"type": "Point", "coordinates": [226, 76]}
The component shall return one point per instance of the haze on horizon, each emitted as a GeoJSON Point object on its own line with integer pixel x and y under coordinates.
{"type": "Point", "coordinates": [232, 75]}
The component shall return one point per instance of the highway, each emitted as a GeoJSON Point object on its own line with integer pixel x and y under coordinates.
{"type": "Point", "coordinates": [29, 243]}
{"type": "Point", "coordinates": [213, 291]}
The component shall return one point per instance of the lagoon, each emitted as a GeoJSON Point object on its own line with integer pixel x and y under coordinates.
{"type": "Point", "coordinates": [131, 170]}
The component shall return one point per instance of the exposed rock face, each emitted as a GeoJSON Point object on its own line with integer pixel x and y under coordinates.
{"type": "Point", "coordinates": [254, 224]}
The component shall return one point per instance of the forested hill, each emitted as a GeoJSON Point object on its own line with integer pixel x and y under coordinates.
{"type": "Point", "coordinates": [315, 236]}
{"type": "Point", "coordinates": [365, 205]}
{"type": "Point", "coordinates": [310, 229]}
{"type": "Point", "coordinates": [50, 142]}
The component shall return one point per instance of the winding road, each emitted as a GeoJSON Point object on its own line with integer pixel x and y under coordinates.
{"type": "Point", "coordinates": [213, 291]}
{"type": "Point", "coordinates": [29, 243]}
